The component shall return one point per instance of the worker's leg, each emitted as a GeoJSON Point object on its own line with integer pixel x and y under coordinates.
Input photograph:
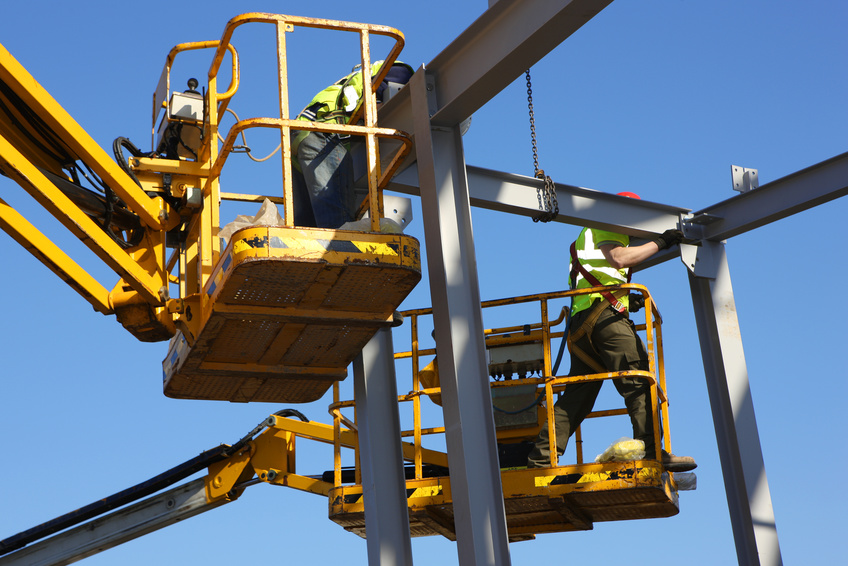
{"type": "Point", "coordinates": [328, 171]}
{"type": "Point", "coordinates": [302, 205]}
{"type": "Point", "coordinates": [621, 349]}
{"type": "Point", "coordinates": [573, 405]}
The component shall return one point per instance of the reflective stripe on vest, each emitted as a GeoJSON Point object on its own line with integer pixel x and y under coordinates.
{"type": "Point", "coordinates": [589, 268]}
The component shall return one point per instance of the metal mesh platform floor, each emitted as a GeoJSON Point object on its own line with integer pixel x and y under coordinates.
{"type": "Point", "coordinates": [536, 501]}
{"type": "Point", "coordinates": [290, 309]}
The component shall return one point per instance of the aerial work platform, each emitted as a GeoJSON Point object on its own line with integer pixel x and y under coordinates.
{"type": "Point", "coordinates": [279, 314]}
{"type": "Point", "coordinates": [537, 501]}
{"type": "Point", "coordinates": [290, 310]}
{"type": "Point", "coordinates": [623, 484]}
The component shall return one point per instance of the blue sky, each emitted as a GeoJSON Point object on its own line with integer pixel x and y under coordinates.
{"type": "Point", "coordinates": [655, 97]}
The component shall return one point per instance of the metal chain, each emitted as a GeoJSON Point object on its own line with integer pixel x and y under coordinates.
{"type": "Point", "coordinates": [547, 196]}
{"type": "Point", "coordinates": [532, 124]}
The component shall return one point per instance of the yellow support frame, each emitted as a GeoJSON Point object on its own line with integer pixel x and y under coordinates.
{"type": "Point", "coordinates": [142, 297]}
{"type": "Point", "coordinates": [540, 500]}
{"type": "Point", "coordinates": [25, 163]}
{"type": "Point", "coordinates": [554, 499]}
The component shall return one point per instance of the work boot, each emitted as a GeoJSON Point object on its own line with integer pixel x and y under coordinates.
{"type": "Point", "coordinates": [674, 463]}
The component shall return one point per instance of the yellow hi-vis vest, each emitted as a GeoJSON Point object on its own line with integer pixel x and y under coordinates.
{"type": "Point", "coordinates": [338, 102]}
{"type": "Point", "coordinates": [590, 256]}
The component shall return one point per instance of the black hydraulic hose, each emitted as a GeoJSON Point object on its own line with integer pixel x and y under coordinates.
{"type": "Point", "coordinates": [145, 488]}
{"type": "Point", "coordinates": [33, 127]}
{"type": "Point", "coordinates": [129, 495]}
{"type": "Point", "coordinates": [117, 149]}
{"type": "Point", "coordinates": [563, 343]}
{"type": "Point", "coordinates": [94, 204]}
{"type": "Point", "coordinates": [102, 208]}
{"type": "Point", "coordinates": [230, 450]}
{"type": "Point", "coordinates": [519, 411]}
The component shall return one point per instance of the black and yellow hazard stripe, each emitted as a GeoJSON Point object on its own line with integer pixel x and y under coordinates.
{"type": "Point", "coordinates": [332, 246]}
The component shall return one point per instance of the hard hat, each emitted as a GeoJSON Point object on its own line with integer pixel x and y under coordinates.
{"type": "Point", "coordinates": [628, 194]}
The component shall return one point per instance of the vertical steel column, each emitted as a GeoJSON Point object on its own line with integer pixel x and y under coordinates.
{"type": "Point", "coordinates": [479, 516]}
{"type": "Point", "coordinates": [748, 497]}
{"type": "Point", "coordinates": [380, 453]}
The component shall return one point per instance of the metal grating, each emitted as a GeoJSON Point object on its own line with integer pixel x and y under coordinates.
{"type": "Point", "coordinates": [243, 340]}
{"type": "Point", "coordinates": [284, 322]}
{"type": "Point", "coordinates": [533, 507]}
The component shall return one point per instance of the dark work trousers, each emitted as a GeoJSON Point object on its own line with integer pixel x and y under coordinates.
{"type": "Point", "coordinates": [323, 186]}
{"type": "Point", "coordinates": [613, 343]}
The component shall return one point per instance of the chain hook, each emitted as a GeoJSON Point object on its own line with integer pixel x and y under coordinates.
{"type": "Point", "coordinates": [547, 195]}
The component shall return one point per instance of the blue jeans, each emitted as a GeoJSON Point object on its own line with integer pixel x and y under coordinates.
{"type": "Point", "coordinates": [323, 189]}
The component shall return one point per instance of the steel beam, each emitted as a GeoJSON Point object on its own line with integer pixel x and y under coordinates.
{"type": "Point", "coordinates": [479, 515]}
{"type": "Point", "coordinates": [380, 454]}
{"type": "Point", "coordinates": [784, 197]}
{"type": "Point", "coordinates": [746, 485]}
{"type": "Point", "coordinates": [518, 194]}
{"type": "Point", "coordinates": [116, 528]}
{"type": "Point", "coordinates": [506, 40]}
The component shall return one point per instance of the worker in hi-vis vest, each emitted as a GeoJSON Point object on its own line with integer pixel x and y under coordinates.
{"type": "Point", "coordinates": [322, 168]}
{"type": "Point", "coordinates": [602, 338]}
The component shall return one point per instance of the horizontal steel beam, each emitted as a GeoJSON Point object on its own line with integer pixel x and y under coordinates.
{"type": "Point", "coordinates": [518, 194]}
{"type": "Point", "coordinates": [784, 197]}
{"type": "Point", "coordinates": [506, 40]}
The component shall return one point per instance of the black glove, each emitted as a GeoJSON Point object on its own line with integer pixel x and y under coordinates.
{"type": "Point", "coordinates": [669, 238]}
{"type": "Point", "coordinates": [637, 301]}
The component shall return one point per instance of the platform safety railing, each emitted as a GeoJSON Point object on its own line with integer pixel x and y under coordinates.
{"type": "Point", "coordinates": [203, 248]}
{"type": "Point", "coordinates": [548, 386]}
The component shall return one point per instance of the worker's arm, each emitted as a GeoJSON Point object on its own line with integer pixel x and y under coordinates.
{"type": "Point", "coordinates": [622, 257]}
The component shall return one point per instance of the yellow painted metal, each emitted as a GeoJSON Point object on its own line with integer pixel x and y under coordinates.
{"type": "Point", "coordinates": [284, 23]}
{"type": "Point", "coordinates": [290, 310]}
{"type": "Point", "coordinates": [561, 499]}
{"type": "Point", "coordinates": [28, 176]}
{"type": "Point", "coordinates": [54, 258]}
{"type": "Point", "coordinates": [319, 274]}
{"type": "Point", "coordinates": [163, 88]}
{"type": "Point", "coordinates": [336, 412]}
{"type": "Point", "coordinates": [223, 476]}
{"type": "Point", "coordinates": [416, 402]}
{"type": "Point", "coordinates": [554, 499]}
{"type": "Point", "coordinates": [146, 322]}
{"type": "Point", "coordinates": [327, 275]}
{"type": "Point", "coordinates": [542, 500]}
{"type": "Point", "coordinates": [153, 213]}
{"type": "Point", "coordinates": [141, 297]}
{"type": "Point", "coordinates": [428, 499]}
{"type": "Point", "coordinates": [302, 483]}
{"type": "Point", "coordinates": [274, 451]}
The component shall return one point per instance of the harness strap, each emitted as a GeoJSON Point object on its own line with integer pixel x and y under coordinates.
{"type": "Point", "coordinates": [586, 329]}
{"type": "Point", "coordinates": [576, 267]}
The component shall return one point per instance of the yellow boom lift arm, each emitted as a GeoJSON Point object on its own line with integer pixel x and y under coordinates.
{"type": "Point", "coordinates": [277, 315]}
{"type": "Point", "coordinates": [559, 498]}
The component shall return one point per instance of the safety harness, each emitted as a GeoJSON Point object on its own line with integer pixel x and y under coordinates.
{"type": "Point", "coordinates": [589, 324]}
{"type": "Point", "coordinates": [577, 267]}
